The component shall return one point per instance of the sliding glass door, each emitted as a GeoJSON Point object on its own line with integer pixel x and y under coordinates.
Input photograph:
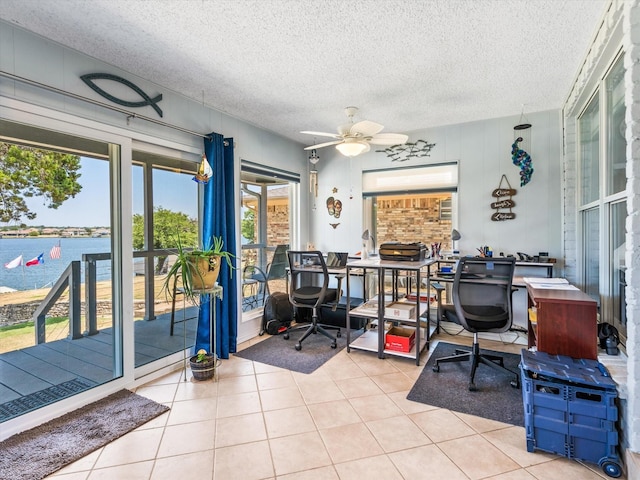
{"type": "Point", "coordinates": [60, 317]}
{"type": "Point", "coordinates": [165, 206]}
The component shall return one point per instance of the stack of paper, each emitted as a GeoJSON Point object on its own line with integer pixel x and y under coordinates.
{"type": "Point", "coordinates": [550, 283]}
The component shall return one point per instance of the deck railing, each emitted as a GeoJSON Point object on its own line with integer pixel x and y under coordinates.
{"type": "Point", "coordinates": [70, 279]}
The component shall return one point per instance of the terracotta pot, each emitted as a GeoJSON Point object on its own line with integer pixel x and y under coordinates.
{"type": "Point", "coordinates": [208, 270]}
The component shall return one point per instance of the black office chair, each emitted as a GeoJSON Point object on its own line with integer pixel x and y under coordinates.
{"type": "Point", "coordinates": [305, 291]}
{"type": "Point", "coordinates": [481, 303]}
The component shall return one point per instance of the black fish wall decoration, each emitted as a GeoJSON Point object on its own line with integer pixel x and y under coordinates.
{"type": "Point", "coordinates": [152, 102]}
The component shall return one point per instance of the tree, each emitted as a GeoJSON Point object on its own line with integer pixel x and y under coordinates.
{"type": "Point", "coordinates": [28, 172]}
{"type": "Point", "coordinates": [248, 225]}
{"type": "Point", "coordinates": [167, 225]}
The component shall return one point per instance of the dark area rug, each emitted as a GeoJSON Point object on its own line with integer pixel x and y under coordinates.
{"type": "Point", "coordinates": [38, 452]}
{"type": "Point", "coordinates": [495, 398]}
{"type": "Point", "coordinates": [276, 351]}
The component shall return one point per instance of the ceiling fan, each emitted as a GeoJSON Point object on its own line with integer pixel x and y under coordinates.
{"type": "Point", "coordinates": [355, 138]}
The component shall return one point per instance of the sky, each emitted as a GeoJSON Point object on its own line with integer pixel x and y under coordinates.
{"type": "Point", "coordinates": [90, 208]}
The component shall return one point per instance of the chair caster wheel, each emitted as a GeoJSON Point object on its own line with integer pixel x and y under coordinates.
{"type": "Point", "coordinates": [436, 368]}
{"type": "Point", "coordinates": [286, 336]}
{"type": "Point", "coordinates": [338, 334]}
{"type": "Point", "coordinates": [515, 384]}
{"type": "Point", "coordinates": [334, 345]}
{"type": "Point", "coordinates": [298, 346]}
{"type": "Point", "coordinates": [472, 387]}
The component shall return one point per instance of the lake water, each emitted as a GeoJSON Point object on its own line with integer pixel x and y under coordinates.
{"type": "Point", "coordinates": [45, 275]}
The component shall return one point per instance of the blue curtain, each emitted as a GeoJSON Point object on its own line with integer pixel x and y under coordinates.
{"type": "Point", "coordinates": [219, 221]}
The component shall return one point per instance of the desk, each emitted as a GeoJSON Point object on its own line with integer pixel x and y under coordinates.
{"type": "Point", "coordinates": [522, 268]}
{"type": "Point", "coordinates": [566, 322]}
{"type": "Point", "coordinates": [375, 341]}
{"type": "Point", "coordinates": [519, 298]}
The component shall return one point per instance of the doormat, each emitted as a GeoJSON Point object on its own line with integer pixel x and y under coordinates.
{"type": "Point", "coordinates": [495, 398]}
{"type": "Point", "coordinates": [41, 398]}
{"type": "Point", "coordinates": [278, 352]}
{"type": "Point", "coordinates": [39, 452]}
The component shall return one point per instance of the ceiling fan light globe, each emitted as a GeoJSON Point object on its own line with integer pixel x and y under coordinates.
{"type": "Point", "coordinates": [352, 149]}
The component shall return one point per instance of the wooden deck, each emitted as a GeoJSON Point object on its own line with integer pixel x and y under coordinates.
{"type": "Point", "coordinates": [45, 373]}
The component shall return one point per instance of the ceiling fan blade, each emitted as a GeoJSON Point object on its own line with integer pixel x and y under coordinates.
{"type": "Point", "coordinates": [365, 128]}
{"type": "Point", "coordinates": [322, 134]}
{"type": "Point", "coordinates": [325, 144]}
{"type": "Point", "coordinates": [389, 139]}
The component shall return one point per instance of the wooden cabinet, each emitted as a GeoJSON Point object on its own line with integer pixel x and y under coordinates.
{"type": "Point", "coordinates": [565, 322]}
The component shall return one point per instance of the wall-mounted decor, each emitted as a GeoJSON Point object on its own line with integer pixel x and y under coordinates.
{"type": "Point", "coordinates": [519, 156]}
{"type": "Point", "coordinates": [334, 207]}
{"type": "Point", "coordinates": [523, 160]}
{"type": "Point", "coordinates": [313, 173]}
{"type": "Point", "coordinates": [504, 203]}
{"type": "Point", "coordinates": [152, 102]}
{"type": "Point", "coordinates": [204, 171]}
{"type": "Point", "coordinates": [409, 150]}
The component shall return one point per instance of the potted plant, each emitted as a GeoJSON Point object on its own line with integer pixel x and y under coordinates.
{"type": "Point", "coordinates": [196, 269]}
{"type": "Point", "coordinates": [203, 365]}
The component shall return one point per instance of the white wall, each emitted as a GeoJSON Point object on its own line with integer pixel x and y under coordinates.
{"type": "Point", "coordinates": [483, 150]}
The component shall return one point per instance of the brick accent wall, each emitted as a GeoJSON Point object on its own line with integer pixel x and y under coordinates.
{"type": "Point", "coordinates": [413, 219]}
{"type": "Point", "coordinates": [278, 222]}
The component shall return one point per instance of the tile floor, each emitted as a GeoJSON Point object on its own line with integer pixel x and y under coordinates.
{"type": "Point", "coordinates": [349, 420]}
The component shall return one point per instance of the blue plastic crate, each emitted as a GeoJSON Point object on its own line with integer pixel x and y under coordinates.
{"type": "Point", "coordinates": [570, 409]}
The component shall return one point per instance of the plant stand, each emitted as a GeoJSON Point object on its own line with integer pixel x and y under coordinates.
{"type": "Point", "coordinates": [212, 293]}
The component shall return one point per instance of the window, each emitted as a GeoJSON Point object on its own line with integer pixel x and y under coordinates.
{"type": "Point", "coordinates": [589, 126]}
{"type": "Point", "coordinates": [267, 220]}
{"type": "Point", "coordinates": [601, 194]}
{"type": "Point", "coordinates": [411, 204]}
{"type": "Point", "coordinates": [616, 141]}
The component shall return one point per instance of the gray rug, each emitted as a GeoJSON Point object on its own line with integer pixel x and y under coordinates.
{"type": "Point", "coordinates": [276, 351]}
{"type": "Point", "coordinates": [495, 399]}
{"type": "Point", "coordinates": [39, 452]}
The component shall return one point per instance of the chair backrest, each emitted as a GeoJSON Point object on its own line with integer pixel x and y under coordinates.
{"type": "Point", "coordinates": [482, 293]}
{"type": "Point", "coordinates": [309, 280]}
{"type": "Point", "coordinates": [278, 266]}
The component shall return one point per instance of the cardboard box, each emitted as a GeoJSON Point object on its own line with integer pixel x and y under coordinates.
{"type": "Point", "coordinates": [405, 311]}
{"type": "Point", "coordinates": [400, 339]}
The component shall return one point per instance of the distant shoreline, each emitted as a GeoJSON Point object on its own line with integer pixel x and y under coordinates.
{"type": "Point", "coordinates": [16, 237]}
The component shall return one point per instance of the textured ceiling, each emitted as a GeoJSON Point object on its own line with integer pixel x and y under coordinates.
{"type": "Point", "coordinates": [291, 65]}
